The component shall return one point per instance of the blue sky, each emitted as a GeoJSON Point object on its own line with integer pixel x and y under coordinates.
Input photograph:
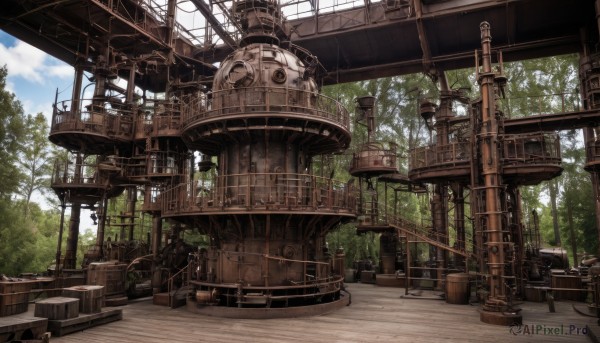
{"type": "Point", "coordinates": [34, 75]}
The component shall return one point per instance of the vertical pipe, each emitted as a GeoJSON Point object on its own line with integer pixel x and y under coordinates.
{"type": "Point", "coordinates": [440, 227]}
{"type": "Point", "coordinates": [60, 235]}
{"type": "Point", "coordinates": [101, 225]}
{"type": "Point", "coordinates": [171, 8]}
{"type": "Point", "coordinates": [131, 200]}
{"type": "Point", "coordinates": [408, 263]}
{"type": "Point", "coordinates": [156, 243]}
{"type": "Point", "coordinates": [267, 249]}
{"type": "Point", "coordinates": [77, 83]}
{"type": "Point", "coordinates": [72, 237]}
{"type": "Point", "coordinates": [517, 236]}
{"type": "Point", "coordinates": [491, 173]}
{"type": "Point", "coordinates": [131, 84]}
{"type": "Point", "coordinates": [73, 234]}
{"type": "Point", "coordinates": [459, 222]}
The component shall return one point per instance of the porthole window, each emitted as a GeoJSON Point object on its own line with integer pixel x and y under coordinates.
{"type": "Point", "coordinates": [279, 75]}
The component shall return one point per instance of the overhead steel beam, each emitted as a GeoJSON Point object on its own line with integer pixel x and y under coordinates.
{"type": "Point", "coordinates": [553, 122]}
{"type": "Point", "coordinates": [214, 23]}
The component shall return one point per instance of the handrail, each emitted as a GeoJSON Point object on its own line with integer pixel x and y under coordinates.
{"type": "Point", "coordinates": [170, 283]}
{"type": "Point", "coordinates": [104, 116]}
{"type": "Point", "coordinates": [409, 227]}
{"type": "Point", "coordinates": [536, 148]}
{"type": "Point", "coordinates": [542, 104]}
{"type": "Point", "coordinates": [412, 229]}
{"type": "Point", "coordinates": [285, 191]}
{"type": "Point", "coordinates": [249, 100]}
{"type": "Point", "coordinates": [430, 155]}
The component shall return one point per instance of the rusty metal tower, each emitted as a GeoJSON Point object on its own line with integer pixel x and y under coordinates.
{"type": "Point", "coordinates": [264, 204]}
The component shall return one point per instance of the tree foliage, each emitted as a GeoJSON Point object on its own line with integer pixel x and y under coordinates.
{"type": "Point", "coordinates": [27, 243]}
{"type": "Point", "coordinates": [11, 136]}
{"type": "Point", "coordinates": [34, 160]}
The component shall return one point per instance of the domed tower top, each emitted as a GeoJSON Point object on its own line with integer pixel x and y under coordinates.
{"type": "Point", "coordinates": [261, 21]}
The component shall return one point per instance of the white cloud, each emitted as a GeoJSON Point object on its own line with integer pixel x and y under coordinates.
{"type": "Point", "coordinates": [25, 61]}
{"type": "Point", "coordinates": [61, 71]}
{"type": "Point", "coordinates": [33, 108]}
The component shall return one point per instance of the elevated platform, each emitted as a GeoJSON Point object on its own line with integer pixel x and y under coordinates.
{"type": "Point", "coordinates": [320, 123]}
{"type": "Point", "coordinates": [285, 193]}
{"type": "Point", "coordinates": [93, 132]}
{"type": "Point", "coordinates": [376, 314]}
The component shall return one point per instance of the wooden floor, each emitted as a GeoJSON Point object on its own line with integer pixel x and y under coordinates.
{"type": "Point", "coordinates": [377, 314]}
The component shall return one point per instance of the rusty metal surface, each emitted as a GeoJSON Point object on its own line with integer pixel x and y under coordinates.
{"type": "Point", "coordinates": [264, 313]}
{"type": "Point", "coordinates": [263, 187]}
{"type": "Point", "coordinates": [337, 36]}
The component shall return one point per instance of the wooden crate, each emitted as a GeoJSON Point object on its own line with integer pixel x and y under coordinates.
{"type": "Point", "coordinates": [569, 282]}
{"type": "Point", "coordinates": [57, 308]}
{"type": "Point", "coordinates": [14, 296]}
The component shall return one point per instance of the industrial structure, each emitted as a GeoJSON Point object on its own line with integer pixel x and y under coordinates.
{"type": "Point", "coordinates": [220, 128]}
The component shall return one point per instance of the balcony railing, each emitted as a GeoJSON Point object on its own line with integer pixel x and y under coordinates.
{"type": "Point", "coordinates": [374, 156]}
{"type": "Point", "coordinates": [437, 155]}
{"type": "Point", "coordinates": [541, 104]}
{"type": "Point", "coordinates": [538, 148]}
{"type": "Point", "coordinates": [241, 101]}
{"type": "Point", "coordinates": [158, 118]}
{"type": "Point", "coordinates": [262, 191]}
{"type": "Point", "coordinates": [109, 119]}
{"type": "Point", "coordinates": [64, 174]}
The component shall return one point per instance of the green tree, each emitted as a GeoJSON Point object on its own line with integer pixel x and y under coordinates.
{"type": "Point", "coordinates": [576, 206]}
{"type": "Point", "coordinates": [35, 158]}
{"type": "Point", "coordinates": [11, 135]}
{"type": "Point", "coordinates": [17, 237]}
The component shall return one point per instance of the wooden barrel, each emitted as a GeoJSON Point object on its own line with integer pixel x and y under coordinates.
{"type": "Point", "coordinates": [111, 275]}
{"type": "Point", "coordinates": [533, 293]}
{"type": "Point", "coordinates": [204, 297]}
{"type": "Point", "coordinates": [91, 297]}
{"type": "Point", "coordinates": [57, 308]}
{"type": "Point", "coordinates": [457, 288]}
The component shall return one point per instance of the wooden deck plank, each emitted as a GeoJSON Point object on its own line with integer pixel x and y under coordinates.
{"type": "Point", "coordinates": [377, 314]}
{"type": "Point", "coordinates": [84, 321]}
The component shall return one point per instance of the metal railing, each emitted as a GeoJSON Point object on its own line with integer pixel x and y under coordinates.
{"type": "Point", "coordinates": [537, 148]}
{"type": "Point", "coordinates": [592, 151]}
{"type": "Point", "coordinates": [540, 104]}
{"type": "Point", "coordinates": [283, 191]}
{"type": "Point", "coordinates": [158, 118]}
{"type": "Point", "coordinates": [106, 118]}
{"type": "Point", "coordinates": [64, 173]}
{"type": "Point", "coordinates": [378, 215]}
{"type": "Point", "coordinates": [435, 155]}
{"type": "Point", "coordinates": [374, 155]}
{"type": "Point", "coordinates": [249, 100]}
